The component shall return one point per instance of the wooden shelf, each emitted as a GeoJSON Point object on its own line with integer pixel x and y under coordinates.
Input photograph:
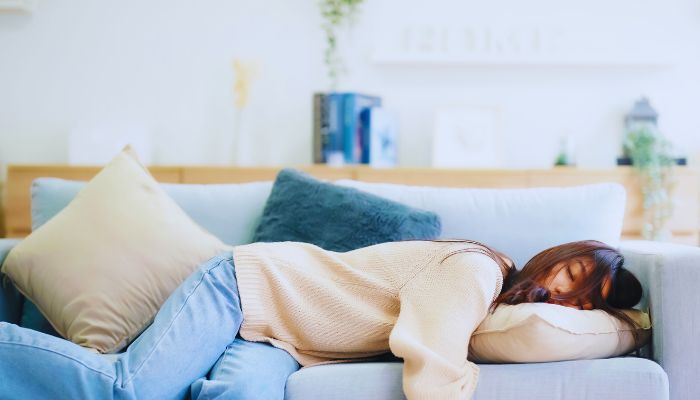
{"type": "Point", "coordinates": [684, 225]}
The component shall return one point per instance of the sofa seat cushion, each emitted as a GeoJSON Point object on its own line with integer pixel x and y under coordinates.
{"type": "Point", "coordinates": [623, 378]}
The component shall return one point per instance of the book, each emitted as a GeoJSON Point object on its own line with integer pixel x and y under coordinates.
{"type": "Point", "coordinates": [320, 126]}
{"type": "Point", "coordinates": [337, 136]}
{"type": "Point", "coordinates": [333, 152]}
{"type": "Point", "coordinates": [352, 106]}
{"type": "Point", "coordinates": [327, 128]}
{"type": "Point", "coordinates": [379, 131]}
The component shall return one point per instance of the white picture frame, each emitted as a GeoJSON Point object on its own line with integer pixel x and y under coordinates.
{"type": "Point", "coordinates": [467, 137]}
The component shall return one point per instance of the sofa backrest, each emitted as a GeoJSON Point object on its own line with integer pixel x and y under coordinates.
{"type": "Point", "coordinates": [519, 222]}
{"type": "Point", "coordinates": [229, 211]}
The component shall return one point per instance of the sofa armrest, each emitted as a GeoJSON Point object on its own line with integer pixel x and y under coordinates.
{"type": "Point", "coordinates": [670, 275]}
{"type": "Point", "coordinates": [10, 299]}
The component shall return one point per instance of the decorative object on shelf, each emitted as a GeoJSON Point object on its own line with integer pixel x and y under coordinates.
{"type": "Point", "coordinates": [335, 13]}
{"type": "Point", "coordinates": [467, 137]}
{"type": "Point", "coordinates": [650, 155]}
{"type": "Point", "coordinates": [567, 152]}
{"type": "Point", "coordinates": [243, 75]}
{"type": "Point", "coordinates": [339, 136]}
{"type": "Point", "coordinates": [641, 115]}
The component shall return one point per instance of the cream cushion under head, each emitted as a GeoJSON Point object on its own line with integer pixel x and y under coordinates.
{"type": "Point", "coordinates": [102, 267]}
{"type": "Point", "coordinates": [540, 332]}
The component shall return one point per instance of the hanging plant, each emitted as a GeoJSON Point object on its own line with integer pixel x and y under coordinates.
{"type": "Point", "coordinates": [651, 158]}
{"type": "Point", "coordinates": [335, 13]}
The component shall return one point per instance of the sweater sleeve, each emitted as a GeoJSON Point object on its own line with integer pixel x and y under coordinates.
{"type": "Point", "coordinates": [440, 308]}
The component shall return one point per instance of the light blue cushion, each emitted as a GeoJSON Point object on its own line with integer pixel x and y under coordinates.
{"type": "Point", "coordinates": [32, 318]}
{"type": "Point", "coordinates": [229, 211]}
{"type": "Point", "coordinates": [303, 209]}
{"type": "Point", "coordinates": [614, 378]}
{"type": "Point", "coordinates": [49, 196]}
{"type": "Point", "coordinates": [10, 298]}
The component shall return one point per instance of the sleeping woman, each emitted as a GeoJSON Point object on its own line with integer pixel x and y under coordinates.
{"type": "Point", "coordinates": [293, 304]}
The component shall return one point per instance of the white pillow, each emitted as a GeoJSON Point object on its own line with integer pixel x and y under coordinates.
{"type": "Point", "coordinates": [541, 332]}
{"type": "Point", "coordinates": [518, 222]}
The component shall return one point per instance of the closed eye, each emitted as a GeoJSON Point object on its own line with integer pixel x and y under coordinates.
{"type": "Point", "coordinates": [580, 269]}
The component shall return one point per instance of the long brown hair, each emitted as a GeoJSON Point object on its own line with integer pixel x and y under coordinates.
{"type": "Point", "coordinates": [481, 248]}
{"type": "Point", "coordinates": [608, 266]}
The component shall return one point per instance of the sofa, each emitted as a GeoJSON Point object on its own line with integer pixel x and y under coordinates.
{"type": "Point", "coordinates": [516, 221]}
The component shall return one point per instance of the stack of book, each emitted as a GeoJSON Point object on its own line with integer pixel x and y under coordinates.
{"type": "Point", "coordinates": [353, 128]}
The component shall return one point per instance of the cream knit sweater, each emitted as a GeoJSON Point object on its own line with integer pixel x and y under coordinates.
{"type": "Point", "coordinates": [422, 300]}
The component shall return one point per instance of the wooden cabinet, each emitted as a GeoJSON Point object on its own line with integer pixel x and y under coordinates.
{"type": "Point", "coordinates": [685, 223]}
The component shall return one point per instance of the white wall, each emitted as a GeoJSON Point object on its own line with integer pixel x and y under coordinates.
{"type": "Point", "coordinates": [165, 67]}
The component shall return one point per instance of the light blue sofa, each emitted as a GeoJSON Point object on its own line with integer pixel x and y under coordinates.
{"type": "Point", "coordinates": [670, 275]}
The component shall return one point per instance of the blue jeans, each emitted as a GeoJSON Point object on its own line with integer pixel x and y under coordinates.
{"type": "Point", "coordinates": [193, 331]}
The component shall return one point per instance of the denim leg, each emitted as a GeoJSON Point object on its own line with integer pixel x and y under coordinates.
{"type": "Point", "coordinates": [34, 365]}
{"type": "Point", "coordinates": [189, 333]}
{"type": "Point", "coordinates": [247, 371]}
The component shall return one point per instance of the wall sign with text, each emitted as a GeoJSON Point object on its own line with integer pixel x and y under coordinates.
{"type": "Point", "coordinates": [601, 44]}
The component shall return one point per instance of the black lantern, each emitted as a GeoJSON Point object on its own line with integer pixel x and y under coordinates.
{"type": "Point", "coordinates": [641, 115]}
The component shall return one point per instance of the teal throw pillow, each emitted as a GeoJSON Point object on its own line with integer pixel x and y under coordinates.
{"type": "Point", "coordinates": [303, 209]}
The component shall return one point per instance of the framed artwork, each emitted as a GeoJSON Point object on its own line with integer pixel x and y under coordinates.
{"type": "Point", "coordinates": [467, 137]}
{"type": "Point", "coordinates": [16, 5]}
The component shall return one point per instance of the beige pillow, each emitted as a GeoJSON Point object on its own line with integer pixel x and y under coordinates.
{"type": "Point", "coordinates": [540, 332]}
{"type": "Point", "coordinates": [101, 268]}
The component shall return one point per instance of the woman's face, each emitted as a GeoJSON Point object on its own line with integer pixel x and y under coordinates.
{"type": "Point", "coordinates": [566, 276]}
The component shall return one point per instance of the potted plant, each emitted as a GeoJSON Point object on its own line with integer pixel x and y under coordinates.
{"type": "Point", "coordinates": [650, 156]}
